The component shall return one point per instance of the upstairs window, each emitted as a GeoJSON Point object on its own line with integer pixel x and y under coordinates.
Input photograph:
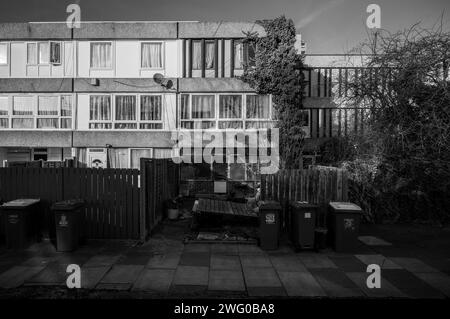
{"type": "Point", "coordinates": [125, 112]}
{"type": "Point", "coordinates": [238, 54]}
{"type": "Point", "coordinates": [3, 53]}
{"type": "Point", "coordinates": [43, 53]}
{"type": "Point", "coordinates": [4, 112]}
{"type": "Point", "coordinates": [101, 55]}
{"type": "Point", "coordinates": [196, 55]}
{"type": "Point", "coordinates": [209, 54]}
{"type": "Point", "coordinates": [100, 112]}
{"type": "Point", "coordinates": [151, 56]}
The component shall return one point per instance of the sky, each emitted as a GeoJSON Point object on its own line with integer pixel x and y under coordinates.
{"type": "Point", "coordinates": [327, 26]}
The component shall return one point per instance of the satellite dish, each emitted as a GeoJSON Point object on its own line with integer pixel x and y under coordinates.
{"type": "Point", "coordinates": [161, 80]}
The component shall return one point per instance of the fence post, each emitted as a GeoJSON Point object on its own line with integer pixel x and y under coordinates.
{"type": "Point", "coordinates": [142, 201]}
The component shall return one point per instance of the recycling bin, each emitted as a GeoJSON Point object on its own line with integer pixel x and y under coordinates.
{"type": "Point", "coordinates": [303, 223]}
{"type": "Point", "coordinates": [269, 225]}
{"type": "Point", "coordinates": [344, 225]}
{"type": "Point", "coordinates": [69, 223]}
{"type": "Point", "coordinates": [21, 219]}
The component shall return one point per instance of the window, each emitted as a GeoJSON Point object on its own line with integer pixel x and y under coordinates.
{"type": "Point", "coordinates": [23, 115]}
{"type": "Point", "coordinates": [209, 54]}
{"type": "Point", "coordinates": [125, 112]}
{"type": "Point", "coordinates": [48, 112]}
{"type": "Point", "coordinates": [4, 112]}
{"type": "Point", "coordinates": [32, 53]}
{"type": "Point", "coordinates": [151, 56]}
{"type": "Point", "coordinates": [3, 53]}
{"type": "Point", "coordinates": [230, 107]}
{"type": "Point", "coordinates": [100, 112]}
{"type": "Point", "coordinates": [43, 53]}
{"type": "Point", "coordinates": [196, 55]}
{"type": "Point", "coordinates": [195, 108]}
{"type": "Point", "coordinates": [66, 112]}
{"type": "Point", "coordinates": [203, 107]}
{"type": "Point", "coordinates": [101, 55]}
{"type": "Point", "coordinates": [250, 54]}
{"type": "Point", "coordinates": [238, 55]}
{"type": "Point", "coordinates": [55, 52]}
{"type": "Point", "coordinates": [258, 106]}
{"type": "Point", "coordinates": [151, 112]}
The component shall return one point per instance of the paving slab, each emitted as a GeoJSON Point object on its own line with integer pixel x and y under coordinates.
{"type": "Point", "coordinates": [316, 261]}
{"type": "Point", "coordinates": [227, 280]}
{"type": "Point", "coordinates": [409, 284]}
{"type": "Point", "coordinates": [115, 286]}
{"type": "Point", "coordinates": [191, 275]}
{"type": "Point", "coordinates": [135, 259]}
{"type": "Point", "coordinates": [348, 263]}
{"type": "Point", "coordinates": [197, 248]}
{"type": "Point", "coordinates": [195, 259]}
{"type": "Point", "coordinates": [16, 276]}
{"type": "Point", "coordinates": [102, 260]}
{"type": "Point", "coordinates": [385, 291]}
{"type": "Point", "coordinates": [122, 274]}
{"type": "Point", "coordinates": [39, 261]}
{"type": "Point", "coordinates": [72, 258]}
{"type": "Point", "coordinates": [261, 277]}
{"type": "Point", "coordinates": [380, 260]}
{"type": "Point", "coordinates": [437, 280]}
{"type": "Point", "coordinates": [225, 262]}
{"type": "Point", "coordinates": [225, 249]}
{"type": "Point", "coordinates": [158, 280]}
{"type": "Point", "coordinates": [287, 263]}
{"type": "Point", "coordinates": [164, 261]}
{"type": "Point", "coordinates": [266, 292]}
{"type": "Point", "coordinates": [336, 284]}
{"type": "Point", "coordinates": [301, 284]}
{"type": "Point", "coordinates": [373, 241]}
{"type": "Point", "coordinates": [250, 250]}
{"type": "Point", "coordinates": [413, 264]}
{"type": "Point", "coordinates": [91, 276]}
{"type": "Point", "coordinates": [53, 274]}
{"type": "Point", "coordinates": [253, 261]}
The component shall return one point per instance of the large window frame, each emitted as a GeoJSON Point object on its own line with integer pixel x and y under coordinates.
{"type": "Point", "coordinates": [218, 119]}
{"type": "Point", "coordinates": [51, 44]}
{"type": "Point", "coordinates": [138, 121]}
{"type": "Point", "coordinates": [35, 117]}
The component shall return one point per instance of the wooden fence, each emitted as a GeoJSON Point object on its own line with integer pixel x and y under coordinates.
{"type": "Point", "coordinates": [111, 196]}
{"type": "Point", "coordinates": [315, 185]}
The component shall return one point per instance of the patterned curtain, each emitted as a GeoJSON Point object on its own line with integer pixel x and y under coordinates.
{"type": "Point", "coordinates": [257, 106]}
{"type": "Point", "coordinates": [202, 106]}
{"type": "Point", "coordinates": [100, 108]}
{"type": "Point", "coordinates": [66, 105]}
{"type": "Point", "coordinates": [22, 105]}
{"type": "Point", "coordinates": [125, 108]}
{"type": "Point", "coordinates": [151, 108]}
{"type": "Point", "coordinates": [230, 106]}
{"type": "Point", "coordinates": [151, 55]}
{"type": "Point", "coordinates": [185, 114]}
{"type": "Point", "coordinates": [118, 157]}
{"type": "Point", "coordinates": [101, 55]}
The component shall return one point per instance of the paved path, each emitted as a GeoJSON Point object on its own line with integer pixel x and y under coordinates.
{"type": "Point", "coordinates": [168, 268]}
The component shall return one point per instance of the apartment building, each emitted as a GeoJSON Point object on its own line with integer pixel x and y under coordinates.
{"type": "Point", "coordinates": [109, 93]}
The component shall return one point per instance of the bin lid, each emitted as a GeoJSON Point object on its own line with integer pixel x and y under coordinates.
{"type": "Point", "coordinates": [345, 207]}
{"type": "Point", "coordinates": [270, 205]}
{"type": "Point", "coordinates": [22, 202]}
{"type": "Point", "coordinates": [68, 204]}
{"type": "Point", "coordinates": [300, 204]}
